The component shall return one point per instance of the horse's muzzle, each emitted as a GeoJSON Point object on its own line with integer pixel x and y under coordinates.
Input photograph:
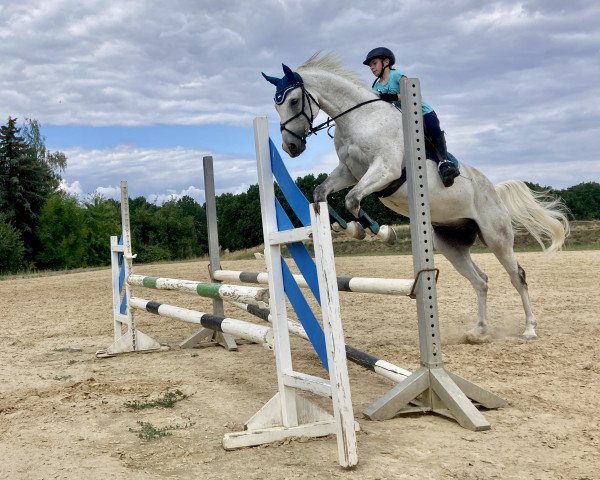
{"type": "Point", "coordinates": [293, 149]}
{"type": "Point", "coordinates": [292, 144]}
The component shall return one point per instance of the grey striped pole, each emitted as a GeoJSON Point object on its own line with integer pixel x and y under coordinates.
{"type": "Point", "coordinates": [365, 360]}
{"type": "Point", "coordinates": [238, 328]}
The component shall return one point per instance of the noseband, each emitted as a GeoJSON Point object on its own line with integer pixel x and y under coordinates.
{"type": "Point", "coordinates": [307, 97]}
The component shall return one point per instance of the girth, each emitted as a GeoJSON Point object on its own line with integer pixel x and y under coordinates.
{"type": "Point", "coordinates": [392, 187]}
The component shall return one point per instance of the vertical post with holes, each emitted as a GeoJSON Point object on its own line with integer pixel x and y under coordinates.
{"type": "Point", "coordinates": [431, 387]}
{"type": "Point", "coordinates": [215, 261]}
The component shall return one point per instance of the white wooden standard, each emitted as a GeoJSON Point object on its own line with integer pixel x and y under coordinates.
{"type": "Point", "coordinates": [334, 334]}
{"type": "Point", "coordinates": [288, 414]}
{"type": "Point", "coordinates": [127, 338]}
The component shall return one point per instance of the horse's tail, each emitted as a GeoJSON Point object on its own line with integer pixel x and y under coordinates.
{"type": "Point", "coordinates": [541, 214]}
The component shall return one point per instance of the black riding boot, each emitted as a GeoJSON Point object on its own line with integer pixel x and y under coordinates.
{"type": "Point", "coordinates": [448, 171]}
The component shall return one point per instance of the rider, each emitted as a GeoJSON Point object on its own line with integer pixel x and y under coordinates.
{"type": "Point", "coordinates": [387, 85]}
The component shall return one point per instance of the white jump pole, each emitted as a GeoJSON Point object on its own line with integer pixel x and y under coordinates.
{"type": "Point", "coordinates": [382, 286]}
{"type": "Point", "coordinates": [234, 293]}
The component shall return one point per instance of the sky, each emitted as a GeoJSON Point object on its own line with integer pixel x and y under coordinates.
{"type": "Point", "coordinates": [142, 90]}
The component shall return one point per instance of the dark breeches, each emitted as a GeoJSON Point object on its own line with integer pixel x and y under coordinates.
{"type": "Point", "coordinates": [431, 125]}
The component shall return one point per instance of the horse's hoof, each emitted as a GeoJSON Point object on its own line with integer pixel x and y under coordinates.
{"type": "Point", "coordinates": [387, 234]}
{"type": "Point", "coordinates": [335, 226]}
{"type": "Point", "coordinates": [319, 194]}
{"type": "Point", "coordinates": [530, 335]}
{"type": "Point", "coordinates": [355, 230]}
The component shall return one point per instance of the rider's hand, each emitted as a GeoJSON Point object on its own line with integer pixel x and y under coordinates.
{"type": "Point", "coordinates": [389, 97]}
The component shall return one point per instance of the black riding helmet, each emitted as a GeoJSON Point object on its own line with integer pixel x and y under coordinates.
{"type": "Point", "coordinates": [380, 52]}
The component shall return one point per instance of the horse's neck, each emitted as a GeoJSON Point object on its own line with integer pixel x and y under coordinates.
{"type": "Point", "coordinates": [335, 94]}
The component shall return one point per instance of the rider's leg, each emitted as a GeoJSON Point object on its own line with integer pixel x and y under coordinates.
{"type": "Point", "coordinates": [448, 171]}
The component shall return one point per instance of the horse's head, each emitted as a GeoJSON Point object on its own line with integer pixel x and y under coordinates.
{"type": "Point", "coordinates": [297, 109]}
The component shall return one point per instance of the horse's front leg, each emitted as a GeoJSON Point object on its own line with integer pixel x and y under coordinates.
{"type": "Point", "coordinates": [337, 180]}
{"type": "Point", "coordinates": [375, 179]}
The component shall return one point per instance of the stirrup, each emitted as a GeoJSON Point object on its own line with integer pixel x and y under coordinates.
{"type": "Point", "coordinates": [448, 172]}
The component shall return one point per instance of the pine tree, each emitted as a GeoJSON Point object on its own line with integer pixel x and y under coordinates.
{"type": "Point", "coordinates": [28, 175]}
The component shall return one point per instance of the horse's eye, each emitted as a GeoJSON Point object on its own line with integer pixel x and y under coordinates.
{"type": "Point", "coordinates": [294, 102]}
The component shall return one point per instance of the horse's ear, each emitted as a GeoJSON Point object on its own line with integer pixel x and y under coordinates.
{"type": "Point", "coordinates": [273, 80]}
{"type": "Point", "coordinates": [288, 72]}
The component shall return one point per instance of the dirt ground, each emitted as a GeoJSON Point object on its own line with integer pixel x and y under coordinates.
{"type": "Point", "coordinates": [63, 413]}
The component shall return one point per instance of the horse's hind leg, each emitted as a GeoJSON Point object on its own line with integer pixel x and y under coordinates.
{"type": "Point", "coordinates": [506, 257]}
{"type": "Point", "coordinates": [459, 256]}
{"type": "Point", "coordinates": [499, 238]}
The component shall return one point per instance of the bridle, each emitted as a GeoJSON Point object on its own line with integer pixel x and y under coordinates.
{"type": "Point", "coordinates": [307, 97]}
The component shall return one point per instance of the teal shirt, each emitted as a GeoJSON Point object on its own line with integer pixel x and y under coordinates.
{"type": "Point", "coordinates": [393, 86]}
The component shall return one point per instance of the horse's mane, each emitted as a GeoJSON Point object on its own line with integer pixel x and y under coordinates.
{"type": "Point", "coordinates": [331, 63]}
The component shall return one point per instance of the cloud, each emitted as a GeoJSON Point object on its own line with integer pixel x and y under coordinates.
{"type": "Point", "coordinates": [108, 192]}
{"type": "Point", "coordinates": [72, 189]}
{"type": "Point", "coordinates": [194, 192]}
{"type": "Point", "coordinates": [155, 173]}
{"type": "Point", "coordinates": [508, 79]}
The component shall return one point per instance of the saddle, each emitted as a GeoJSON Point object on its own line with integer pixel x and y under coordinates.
{"type": "Point", "coordinates": [396, 184]}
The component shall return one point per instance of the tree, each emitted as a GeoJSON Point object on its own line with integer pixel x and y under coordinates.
{"type": "Point", "coordinates": [102, 220]}
{"type": "Point", "coordinates": [583, 200]}
{"type": "Point", "coordinates": [239, 216]}
{"type": "Point", "coordinates": [175, 232]}
{"type": "Point", "coordinates": [12, 250]}
{"type": "Point", "coordinates": [56, 161]}
{"type": "Point", "coordinates": [28, 175]}
{"type": "Point", "coordinates": [62, 233]}
{"type": "Point", "coordinates": [188, 207]}
{"type": "Point", "coordinates": [143, 221]}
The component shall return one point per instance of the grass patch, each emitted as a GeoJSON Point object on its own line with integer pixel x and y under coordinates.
{"type": "Point", "coordinates": [167, 400]}
{"type": "Point", "coordinates": [147, 431]}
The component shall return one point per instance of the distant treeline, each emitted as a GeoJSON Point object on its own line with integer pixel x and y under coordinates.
{"type": "Point", "coordinates": [42, 227]}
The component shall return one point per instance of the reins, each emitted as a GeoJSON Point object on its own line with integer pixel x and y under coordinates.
{"type": "Point", "coordinates": [326, 124]}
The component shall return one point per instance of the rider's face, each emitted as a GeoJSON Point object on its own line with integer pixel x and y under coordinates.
{"type": "Point", "coordinates": [376, 65]}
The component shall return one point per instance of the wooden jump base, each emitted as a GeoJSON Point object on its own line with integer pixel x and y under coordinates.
{"type": "Point", "coordinates": [381, 367]}
{"type": "Point", "coordinates": [234, 293]}
{"type": "Point", "coordinates": [238, 328]}
{"type": "Point", "coordinates": [383, 286]}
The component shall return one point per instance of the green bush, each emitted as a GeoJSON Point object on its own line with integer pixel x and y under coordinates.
{"type": "Point", "coordinates": [12, 250]}
{"type": "Point", "coordinates": [62, 233]}
{"type": "Point", "coordinates": [152, 253]}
